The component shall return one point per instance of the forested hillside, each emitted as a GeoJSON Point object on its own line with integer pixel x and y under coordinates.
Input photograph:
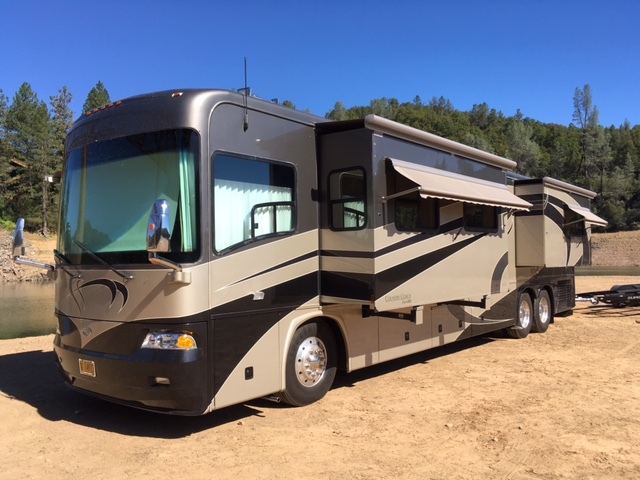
{"type": "Point", "coordinates": [603, 159]}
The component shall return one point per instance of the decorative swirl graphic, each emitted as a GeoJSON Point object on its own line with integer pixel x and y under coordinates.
{"type": "Point", "coordinates": [113, 286]}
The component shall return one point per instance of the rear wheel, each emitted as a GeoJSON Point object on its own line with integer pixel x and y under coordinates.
{"type": "Point", "coordinates": [311, 364]}
{"type": "Point", "coordinates": [525, 317]}
{"type": "Point", "coordinates": [542, 313]}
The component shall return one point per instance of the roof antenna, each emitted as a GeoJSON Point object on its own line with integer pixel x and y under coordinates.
{"type": "Point", "coordinates": [245, 124]}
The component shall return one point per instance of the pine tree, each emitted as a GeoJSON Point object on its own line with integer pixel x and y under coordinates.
{"type": "Point", "coordinates": [339, 112]}
{"type": "Point", "coordinates": [97, 97]}
{"type": "Point", "coordinates": [596, 154]}
{"type": "Point", "coordinates": [29, 135]}
{"type": "Point", "coordinates": [61, 121]}
{"type": "Point", "coordinates": [522, 149]}
{"type": "Point", "coordinates": [4, 157]}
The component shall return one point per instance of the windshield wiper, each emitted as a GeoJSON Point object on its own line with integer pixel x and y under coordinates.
{"type": "Point", "coordinates": [61, 258]}
{"type": "Point", "coordinates": [103, 262]}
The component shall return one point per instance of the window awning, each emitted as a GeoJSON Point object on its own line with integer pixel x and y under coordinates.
{"type": "Point", "coordinates": [436, 183]}
{"type": "Point", "coordinates": [588, 215]}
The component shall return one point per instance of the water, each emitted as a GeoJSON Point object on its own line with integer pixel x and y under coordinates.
{"type": "Point", "coordinates": [26, 310]}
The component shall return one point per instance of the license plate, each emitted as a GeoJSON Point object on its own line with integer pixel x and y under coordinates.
{"type": "Point", "coordinates": [87, 367]}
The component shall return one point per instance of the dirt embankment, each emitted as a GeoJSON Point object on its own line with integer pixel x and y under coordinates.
{"type": "Point", "coordinates": [619, 249]}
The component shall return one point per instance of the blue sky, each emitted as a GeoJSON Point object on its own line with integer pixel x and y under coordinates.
{"type": "Point", "coordinates": [512, 54]}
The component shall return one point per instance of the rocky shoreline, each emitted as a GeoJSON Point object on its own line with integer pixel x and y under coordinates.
{"type": "Point", "coordinates": [11, 272]}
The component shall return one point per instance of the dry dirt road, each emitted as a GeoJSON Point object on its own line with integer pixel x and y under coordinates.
{"type": "Point", "coordinates": [565, 404]}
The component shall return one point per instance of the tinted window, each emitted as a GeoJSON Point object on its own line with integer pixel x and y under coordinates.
{"type": "Point", "coordinates": [480, 217]}
{"type": "Point", "coordinates": [347, 200]}
{"type": "Point", "coordinates": [252, 199]}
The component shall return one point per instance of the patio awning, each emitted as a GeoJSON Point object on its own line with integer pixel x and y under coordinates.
{"type": "Point", "coordinates": [436, 183]}
{"type": "Point", "coordinates": [588, 215]}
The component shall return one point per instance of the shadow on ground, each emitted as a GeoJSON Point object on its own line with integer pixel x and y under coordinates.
{"type": "Point", "coordinates": [32, 378]}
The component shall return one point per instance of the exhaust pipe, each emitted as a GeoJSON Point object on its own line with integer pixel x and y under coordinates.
{"type": "Point", "coordinates": [273, 398]}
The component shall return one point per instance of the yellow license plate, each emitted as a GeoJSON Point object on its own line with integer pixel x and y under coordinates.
{"type": "Point", "coordinates": [87, 367]}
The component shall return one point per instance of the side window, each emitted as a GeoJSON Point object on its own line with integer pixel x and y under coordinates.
{"type": "Point", "coordinates": [480, 217]}
{"type": "Point", "coordinates": [416, 214]}
{"type": "Point", "coordinates": [347, 199]}
{"type": "Point", "coordinates": [411, 211]}
{"type": "Point", "coordinates": [573, 224]}
{"type": "Point", "coordinates": [252, 199]}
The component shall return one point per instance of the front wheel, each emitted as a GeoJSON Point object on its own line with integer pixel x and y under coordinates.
{"type": "Point", "coordinates": [525, 317]}
{"type": "Point", "coordinates": [311, 365]}
{"type": "Point", "coordinates": [542, 313]}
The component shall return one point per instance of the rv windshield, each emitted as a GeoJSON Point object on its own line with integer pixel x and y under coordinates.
{"type": "Point", "coordinates": [109, 188]}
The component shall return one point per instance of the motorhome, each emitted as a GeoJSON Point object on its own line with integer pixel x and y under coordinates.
{"type": "Point", "coordinates": [214, 248]}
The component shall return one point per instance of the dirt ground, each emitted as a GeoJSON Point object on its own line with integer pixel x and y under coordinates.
{"type": "Point", "coordinates": [560, 405]}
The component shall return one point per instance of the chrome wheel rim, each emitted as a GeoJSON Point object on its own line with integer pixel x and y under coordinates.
{"type": "Point", "coordinates": [525, 314]}
{"type": "Point", "coordinates": [544, 310]}
{"type": "Point", "coordinates": [311, 361]}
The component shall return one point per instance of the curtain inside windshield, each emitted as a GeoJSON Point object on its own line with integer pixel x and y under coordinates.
{"type": "Point", "coordinates": [109, 188]}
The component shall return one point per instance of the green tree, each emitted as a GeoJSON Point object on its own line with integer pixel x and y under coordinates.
{"type": "Point", "coordinates": [585, 116]}
{"type": "Point", "coordinates": [61, 121]}
{"type": "Point", "coordinates": [597, 154]}
{"type": "Point", "coordinates": [584, 113]}
{"type": "Point", "coordinates": [29, 134]}
{"type": "Point", "coordinates": [384, 107]}
{"type": "Point", "coordinates": [477, 141]}
{"type": "Point", "coordinates": [441, 105]}
{"type": "Point", "coordinates": [97, 97]}
{"type": "Point", "coordinates": [339, 112]}
{"type": "Point", "coordinates": [4, 157]}
{"type": "Point", "coordinates": [480, 115]}
{"type": "Point", "coordinates": [522, 149]}
{"type": "Point", "coordinates": [563, 147]}
{"type": "Point", "coordinates": [595, 167]}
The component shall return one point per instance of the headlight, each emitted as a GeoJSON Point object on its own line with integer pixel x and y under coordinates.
{"type": "Point", "coordinates": [164, 340]}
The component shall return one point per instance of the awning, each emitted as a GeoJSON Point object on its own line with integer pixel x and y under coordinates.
{"type": "Point", "coordinates": [436, 183]}
{"type": "Point", "coordinates": [588, 215]}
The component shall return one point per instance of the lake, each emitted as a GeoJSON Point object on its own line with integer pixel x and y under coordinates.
{"type": "Point", "coordinates": [26, 310]}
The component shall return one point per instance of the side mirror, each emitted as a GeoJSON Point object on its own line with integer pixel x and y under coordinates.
{"type": "Point", "coordinates": [159, 228]}
{"type": "Point", "coordinates": [159, 241]}
{"type": "Point", "coordinates": [17, 250]}
{"type": "Point", "coordinates": [18, 239]}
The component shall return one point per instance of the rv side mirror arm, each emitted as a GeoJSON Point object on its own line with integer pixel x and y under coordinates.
{"type": "Point", "coordinates": [165, 262]}
{"type": "Point", "coordinates": [178, 275]}
{"type": "Point", "coordinates": [18, 249]}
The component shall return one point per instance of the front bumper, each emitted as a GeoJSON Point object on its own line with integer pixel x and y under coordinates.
{"type": "Point", "coordinates": [168, 381]}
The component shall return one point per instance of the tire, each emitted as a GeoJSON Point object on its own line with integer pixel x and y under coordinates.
{"type": "Point", "coordinates": [524, 317]}
{"type": "Point", "coordinates": [311, 365]}
{"type": "Point", "coordinates": [542, 313]}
